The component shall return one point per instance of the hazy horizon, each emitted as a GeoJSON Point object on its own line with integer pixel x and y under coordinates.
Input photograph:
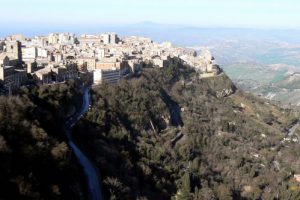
{"type": "Point", "coordinates": [36, 29]}
{"type": "Point", "coordinates": [176, 33]}
{"type": "Point", "coordinates": [36, 17]}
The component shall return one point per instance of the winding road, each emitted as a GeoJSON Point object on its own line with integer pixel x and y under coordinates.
{"type": "Point", "coordinates": [174, 108]}
{"type": "Point", "coordinates": [90, 171]}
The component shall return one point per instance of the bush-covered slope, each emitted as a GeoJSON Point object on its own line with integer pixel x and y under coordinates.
{"type": "Point", "coordinates": [166, 134]}
{"type": "Point", "coordinates": [35, 159]}
{"type": "Point", "coordinates": [169, 135]}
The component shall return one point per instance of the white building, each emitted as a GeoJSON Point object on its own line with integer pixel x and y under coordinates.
{"type": "Point", "coordinates": [42, 53]}
{"type": "Point", "coordinates": [160, 62]}
{"type": "Point", "coordinates": [107, 76]}
{"type": "Point", "coordinates": [100, 53]}
{"type": "Point", "coordinates": [39, 41]}
{"type": "Point", "coordinates": [29, 53]}
{"type": "Point", "coordinates": [53, 38]}
{"type": "Point", "coordinates": [110, 38]}
{"type": "Point", "coordinates": [66, 38]}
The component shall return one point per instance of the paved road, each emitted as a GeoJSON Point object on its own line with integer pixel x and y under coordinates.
{"type": "Point", "coordinates": [92, 176]}
{"type": "Point", "coordinates": [174, 108]}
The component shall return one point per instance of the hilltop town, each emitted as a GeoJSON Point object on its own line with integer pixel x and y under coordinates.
{"type": "Point", "coordinates": [175, 127]}
{"type": "Point", "coordinates": [107, 57]}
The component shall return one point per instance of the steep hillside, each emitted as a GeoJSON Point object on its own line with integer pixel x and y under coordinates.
{"type": "Point", "coordinates": [36, 161]}
{"type": "Point", "coordinates": [168, 134]}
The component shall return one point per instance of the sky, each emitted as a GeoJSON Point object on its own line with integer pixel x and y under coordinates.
{"type": "Point", "coordinates": [52, 14]}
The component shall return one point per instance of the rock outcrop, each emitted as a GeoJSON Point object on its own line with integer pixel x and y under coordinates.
{"type": "Point", "coordinates": [220, 85]}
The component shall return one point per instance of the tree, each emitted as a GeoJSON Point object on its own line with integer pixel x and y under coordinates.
{"type": "Point", "coordinates": [184, 192]}
{"type": "Point", "coordinates": [224, 192]}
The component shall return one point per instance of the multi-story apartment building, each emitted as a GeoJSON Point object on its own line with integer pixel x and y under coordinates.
{"type": "Point", "coordinates": [110, 70]}
{"type": "Point", "coordinates": [108, 76]}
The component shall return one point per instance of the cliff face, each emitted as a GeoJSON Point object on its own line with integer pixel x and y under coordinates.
{"type": "Point", "coordinates": [226, 145]}
{"type": "Point", "coordinates": [220, 85]}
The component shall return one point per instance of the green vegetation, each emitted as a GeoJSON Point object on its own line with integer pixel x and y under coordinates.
{"type": "Point", "coordinates": [229, 147]}
{"type": "Point", "coordinates": [164, 134]}
{"type": "Point", "coordinates": [259, 74]}
{"type": "Point", "coordinates": [36, 161]}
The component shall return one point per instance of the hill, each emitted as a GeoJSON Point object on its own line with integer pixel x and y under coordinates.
{"type": "Point", "coordinates": [163, 134]}
{"type": "Point", "coordinates": [168, 134]}
{"type": "Point", "coordinates": [36, 161]}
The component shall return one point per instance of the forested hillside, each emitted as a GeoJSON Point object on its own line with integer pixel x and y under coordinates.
{"type": "Point", "coordinates": [163, 134]}
{"type": "Point", "coordinates": [167, 134]}
{"type": "Point", "coordinates": [36, 161]}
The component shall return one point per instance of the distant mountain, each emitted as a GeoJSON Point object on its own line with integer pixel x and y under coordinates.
{"type": "Point", "coordinates": [192, 36]}
{"type": "Point", "coordinates": [178, 34]}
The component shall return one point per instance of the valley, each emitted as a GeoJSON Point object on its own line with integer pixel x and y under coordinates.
{"type": "Point", "coordinates": [270, 70]}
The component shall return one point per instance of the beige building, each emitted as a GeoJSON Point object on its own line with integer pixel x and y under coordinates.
{"type": "Point", "coordinates": [4, 60]}
{"type": "Point", "coordinates": [44, 75]}
{"type": "Point", "coordinates": [9, 74]}
{"type": "Point", "coordinates": [135, 64]}
{"type": "Point", "coordinates": [53, 38]}
{"type": "Point", "coordinates": [57, 57]}
{"type": "Point", "coordinates": [206, 64]}
{"type": "Point", "coordinates": [110, 70]}
{"type": "Point", "coordinates": [110, 63]}
{"type": "Point", "coordinates": [16, 37]}
{"type": "Point", "coordinates": [90, 39]}
{"type": "Point", "coordinates": [86, 64]}
{"type": "Point", "coordinates": [14, 51]}
{"type": "Point", "coordinates": [31, 66]}
{"type": "Point", "coordinates": [159, 62]}
{"type": "Point", "coordinates": [51, 73]}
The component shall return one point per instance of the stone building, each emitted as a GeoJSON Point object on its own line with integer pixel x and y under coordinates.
{"type": "Point", "coordinates": [10, 73]}
{"type": "Point", "coordinates": [4, 60]}
{"type": "Point", "coordinates": [14, 51]}
{"type": "Point", "coordinates": [86, 63]}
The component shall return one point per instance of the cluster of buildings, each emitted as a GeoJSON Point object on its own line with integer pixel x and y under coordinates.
{"type": "Point", "coordinates": [61, 56]}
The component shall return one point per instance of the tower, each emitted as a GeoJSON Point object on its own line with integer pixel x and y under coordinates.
{"type": "Point", "coordinates": [14, 50]}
